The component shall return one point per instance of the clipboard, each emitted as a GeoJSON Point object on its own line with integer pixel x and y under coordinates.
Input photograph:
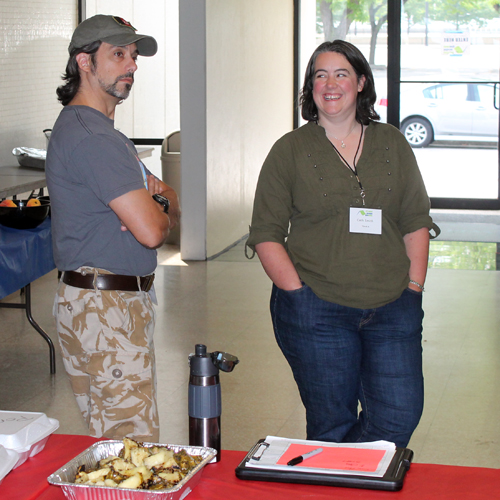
{"type": "Point", "coordinates": [392, 480]}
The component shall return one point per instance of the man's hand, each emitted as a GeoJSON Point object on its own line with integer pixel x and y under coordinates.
{"type": "Point", "coordinates": [156, 186]}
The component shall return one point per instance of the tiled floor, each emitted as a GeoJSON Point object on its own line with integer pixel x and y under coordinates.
{"type": "Point", "coordinates": [223, 303]}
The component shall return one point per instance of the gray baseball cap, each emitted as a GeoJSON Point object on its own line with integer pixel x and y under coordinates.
{"type": "Point", "coordinates": [113, 30]}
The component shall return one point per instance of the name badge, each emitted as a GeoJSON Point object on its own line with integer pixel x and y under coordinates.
{"type": "Point", "coordinates": [365, 220]}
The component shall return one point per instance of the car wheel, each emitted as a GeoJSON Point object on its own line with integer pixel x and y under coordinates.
{"type": "Point", "coordinates": [418, 132]}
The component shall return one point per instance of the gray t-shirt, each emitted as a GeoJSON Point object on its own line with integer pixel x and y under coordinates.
{"type": "Point", "coordinates": [89, 163]}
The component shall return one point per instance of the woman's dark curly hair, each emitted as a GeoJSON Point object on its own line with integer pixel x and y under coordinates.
{"type": "Point", "coordinates": [365, 99]}
{"type": "Point", "coordinates": [66, 92]}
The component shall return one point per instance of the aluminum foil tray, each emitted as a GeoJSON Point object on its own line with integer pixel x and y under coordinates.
{"type": "Point", "coordinates": [30, 162]}
{"type": "Point", "coordinates": [65, 476]}
{"type": "Point", "coordinates": [30, 157]}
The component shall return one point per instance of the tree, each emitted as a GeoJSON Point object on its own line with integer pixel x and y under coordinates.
{"type": "Point", "coordinates": [338, 15]}
{"type": "Point", "coordinates": [415, 12]}
{"type": "Point", "coordinates": [378, 17]}
{"type": "Point", "coordinates": [460, 13]}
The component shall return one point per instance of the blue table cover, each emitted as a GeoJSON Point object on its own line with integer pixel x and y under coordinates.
{"type": "Point", "coordinates": [25, 255]}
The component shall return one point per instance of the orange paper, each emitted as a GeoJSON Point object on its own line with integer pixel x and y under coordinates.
{"type": "Point", "coordinates": [342, 458]}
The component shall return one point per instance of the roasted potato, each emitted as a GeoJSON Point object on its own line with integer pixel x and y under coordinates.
{"type": "Point", "coordinates": [140, 467]}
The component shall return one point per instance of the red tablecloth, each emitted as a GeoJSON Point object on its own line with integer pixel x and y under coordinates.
{"type": "Point", "coordinates": [423, 481]}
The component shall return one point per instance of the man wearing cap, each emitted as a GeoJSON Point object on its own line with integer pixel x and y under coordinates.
{"type": "Point", "coordinates": [109, 213]}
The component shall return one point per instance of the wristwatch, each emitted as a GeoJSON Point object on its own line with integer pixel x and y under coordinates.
{"type": "Point", "coordinates": [162, 201]}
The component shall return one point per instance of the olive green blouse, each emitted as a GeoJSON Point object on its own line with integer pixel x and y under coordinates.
{"type": "Point", "coordinates": [302, 201]}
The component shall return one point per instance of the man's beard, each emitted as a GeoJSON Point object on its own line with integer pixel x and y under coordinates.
{"type": "Point", "coordinates": [112, 88]}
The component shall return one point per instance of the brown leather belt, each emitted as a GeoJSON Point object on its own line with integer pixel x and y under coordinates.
{"type": "Point", "coordinates": [108, 281]}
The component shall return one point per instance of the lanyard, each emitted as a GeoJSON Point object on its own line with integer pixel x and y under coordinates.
{"type": "Point", "coordinates": [353, 169]}
{"type": "Point", "coordinates": [143, 170]}
{"type": "Point", "coordinates": [143, 173]}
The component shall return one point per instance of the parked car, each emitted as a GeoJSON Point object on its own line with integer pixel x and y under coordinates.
{"type": "Point", "coordinates": [447, 111]}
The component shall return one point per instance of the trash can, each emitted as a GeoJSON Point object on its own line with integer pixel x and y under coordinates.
{"type": "Point", "coordinates": [171, 174]}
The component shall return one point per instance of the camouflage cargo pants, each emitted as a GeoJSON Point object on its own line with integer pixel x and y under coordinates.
{"type": "Point", "coordinates": [106, 338]}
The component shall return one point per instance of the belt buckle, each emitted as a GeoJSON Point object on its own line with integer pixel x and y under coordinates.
{"type": "Point", "coordinates": [149, 282]}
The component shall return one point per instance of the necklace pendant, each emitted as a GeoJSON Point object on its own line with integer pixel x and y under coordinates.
{"type": "Point", "coordinates": [342, 145]}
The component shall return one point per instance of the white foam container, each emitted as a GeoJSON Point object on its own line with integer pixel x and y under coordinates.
{"type": "Point", "coordinates": [25, 432]}
{"type": "Point", "coordinates": [8, 458]}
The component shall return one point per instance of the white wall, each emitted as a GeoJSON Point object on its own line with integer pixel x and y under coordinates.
{"type": "Point", "coordinates": [34, 39]}
{"type": "Point", "coordinates": [236, 101]}
{"type": "Point", "coordinates": [249, 105]}
{"type": "Point", "coordinates": [308, 41]}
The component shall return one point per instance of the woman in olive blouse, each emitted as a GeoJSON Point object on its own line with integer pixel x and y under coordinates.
{"type": "Point", "coordinates": [341, 226]}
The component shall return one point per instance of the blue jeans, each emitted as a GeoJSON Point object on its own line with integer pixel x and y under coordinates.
{"type": "Point", "coordinates": [341, 356]}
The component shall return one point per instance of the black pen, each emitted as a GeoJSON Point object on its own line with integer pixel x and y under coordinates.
{"type": "Point", "coordinates": [301, 458]}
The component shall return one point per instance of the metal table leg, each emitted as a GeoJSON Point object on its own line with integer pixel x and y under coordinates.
{"type": "Point", "coordinates": [38, 328]}
{"type": "Point", "coordinates": [34, 324]}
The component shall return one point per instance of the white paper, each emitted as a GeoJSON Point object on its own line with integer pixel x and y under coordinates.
{"type": "Point", "coordinates": [365, 220]}
{"type": "Point", "coordinates": [269, 456]}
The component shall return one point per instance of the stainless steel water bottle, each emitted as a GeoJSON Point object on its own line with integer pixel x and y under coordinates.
{"type": "Point", "coordinates": [204, 402]}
